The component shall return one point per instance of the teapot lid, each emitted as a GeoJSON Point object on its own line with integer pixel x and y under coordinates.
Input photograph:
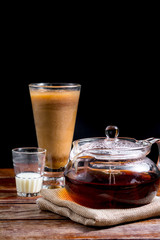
{"type": "Point", "coordinates": [111, 146]}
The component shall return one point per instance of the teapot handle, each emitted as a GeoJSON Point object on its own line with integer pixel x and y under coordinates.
{"type": "Point", "coordinates": [157, 141]}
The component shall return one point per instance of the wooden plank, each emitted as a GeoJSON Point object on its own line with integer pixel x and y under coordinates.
{"type": "Point", "coordinates": [25, 211]}
{"type": "Point", "coordinates": [6, 172]}
{"type": "Point", "coordinates": [7, 183]}
{"type": "Point", "coordinates": [66, 229]}
{"type": "Point", "coordinates": [11, 197]}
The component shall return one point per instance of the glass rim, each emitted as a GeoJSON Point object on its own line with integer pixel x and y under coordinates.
{"type": "Point", "coordinates": [24, 150]}
{"type": "Point", "coordinates": [54, 85]}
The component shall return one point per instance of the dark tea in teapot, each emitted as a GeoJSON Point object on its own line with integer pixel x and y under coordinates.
{"type": "Point", "coordinates": [112, 189]}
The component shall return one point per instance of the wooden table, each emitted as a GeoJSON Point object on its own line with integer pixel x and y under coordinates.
{"type": "Point", "coordinates": [20, 218]}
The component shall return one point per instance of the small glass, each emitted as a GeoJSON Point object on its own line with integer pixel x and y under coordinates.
{"type": "Point", "coordinates": [28, 165]}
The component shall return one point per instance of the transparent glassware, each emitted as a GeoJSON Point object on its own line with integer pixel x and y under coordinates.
{"type": "Point", "coordinates": [112, 172]}
{"type": "Point", "coordinates": [28, 165]}
{"type": "Point", "coordinates": [54, 109]}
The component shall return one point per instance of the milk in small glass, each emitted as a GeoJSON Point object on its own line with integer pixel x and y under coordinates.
{"type": "Point", "coordinates": [29, 168]}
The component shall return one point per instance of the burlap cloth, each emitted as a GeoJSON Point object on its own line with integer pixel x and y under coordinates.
{"type": "Point", "coordinates": [58, 201]}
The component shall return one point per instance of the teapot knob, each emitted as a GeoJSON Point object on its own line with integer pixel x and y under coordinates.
{"type": "Point", "coordinates": [111, 131]}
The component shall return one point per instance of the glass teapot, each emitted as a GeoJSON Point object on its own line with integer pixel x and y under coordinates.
{"type": "Point", "coordinates": [112, 172]}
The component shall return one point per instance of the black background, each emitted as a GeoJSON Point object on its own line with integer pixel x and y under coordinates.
{"type": "Point", "coordinates": [115, 60]}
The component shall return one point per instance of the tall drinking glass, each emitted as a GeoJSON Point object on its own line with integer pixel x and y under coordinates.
{"type": "Point", "coordinates": [55, 108]}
